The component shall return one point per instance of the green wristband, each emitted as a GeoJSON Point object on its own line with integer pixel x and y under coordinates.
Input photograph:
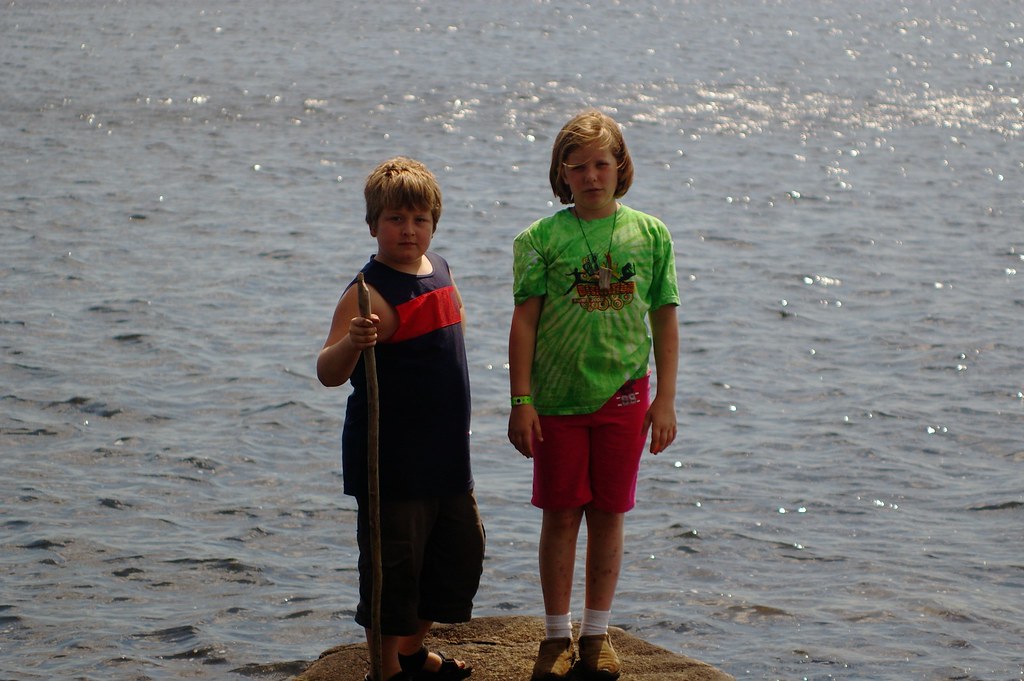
{"type": "Point", "coordinates": [521, 399]}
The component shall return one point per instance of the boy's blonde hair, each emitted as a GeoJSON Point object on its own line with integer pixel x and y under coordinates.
{"type": "Point", "coordinates": [404, 183]}
{"type": "Point", "coordinates": [585, 128]}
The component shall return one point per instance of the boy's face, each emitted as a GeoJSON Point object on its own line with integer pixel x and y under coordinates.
{"type": "Point", "coordinates": [403, 236]}
{"type": "Point", "coordinates": [592, 174]}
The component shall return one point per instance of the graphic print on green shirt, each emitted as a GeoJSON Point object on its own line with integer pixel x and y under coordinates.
{"type": "Point", "coordinates": [588, 289]}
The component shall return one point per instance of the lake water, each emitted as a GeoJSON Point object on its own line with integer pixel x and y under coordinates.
{"type": "Point", "coordinates": [181, 204]}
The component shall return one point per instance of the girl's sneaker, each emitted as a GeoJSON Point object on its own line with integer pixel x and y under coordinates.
{"type": "Point", "coordinates": [554, 660]}
{"type": "Point", "coordinates": [598, 660]}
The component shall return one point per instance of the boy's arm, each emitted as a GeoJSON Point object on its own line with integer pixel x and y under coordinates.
{"type": "Point", "coordinates": [350, 334]}
{"type": "Point", "coordinates": [661, 416]}
{"type": "Point", "coordinates": [523, 422]}
{"type": "Point", "coordinates": [462, 307]}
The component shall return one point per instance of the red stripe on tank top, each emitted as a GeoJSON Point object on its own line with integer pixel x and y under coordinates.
{"type": "Point", "coordinates": [426, 313]}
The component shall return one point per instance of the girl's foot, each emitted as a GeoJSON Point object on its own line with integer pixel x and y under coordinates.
{"type": "Point", "coordinates": [554, 660]}
{"type": "Point", "coordinates": [598, 660]}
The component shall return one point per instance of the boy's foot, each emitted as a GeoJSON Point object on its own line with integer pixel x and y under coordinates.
{"type": "Point", "coordinates": [419, 667]}
{"type": "Point", "coordinates": [598, 660]}
{"type": "Point", "coordinates": [554, 660]}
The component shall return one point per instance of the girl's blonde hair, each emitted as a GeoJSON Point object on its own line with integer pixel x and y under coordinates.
{"type": "Point", "coordinates": [585, 128]}
{"type": "Point", "coordinates": [401, 182]}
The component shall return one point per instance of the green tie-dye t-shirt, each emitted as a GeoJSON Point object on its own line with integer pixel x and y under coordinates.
{"type": "Point", "coordinates": [590, 341]}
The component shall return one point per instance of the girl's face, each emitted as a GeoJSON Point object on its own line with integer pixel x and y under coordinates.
{"type": "Point", "coordinates": [403, 236]}
{"type": "Point", "coordinates": [592, 174]}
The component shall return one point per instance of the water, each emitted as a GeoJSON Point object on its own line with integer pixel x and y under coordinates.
{"type": "Point", "coordinates": [180, 204]}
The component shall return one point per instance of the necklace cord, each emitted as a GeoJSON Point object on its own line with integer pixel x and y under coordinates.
{"type": "Point", "coordinates": [604, 271]}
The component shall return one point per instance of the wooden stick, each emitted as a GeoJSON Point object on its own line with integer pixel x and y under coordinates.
{"type": "Point", "coordinates": [373, 479]}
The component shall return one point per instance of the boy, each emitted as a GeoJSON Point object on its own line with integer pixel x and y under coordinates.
{"type": "Point", "coordinates": [432, 539]}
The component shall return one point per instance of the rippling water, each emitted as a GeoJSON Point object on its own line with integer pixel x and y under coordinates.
{"type": "Point", "coordinates": [180, 205]}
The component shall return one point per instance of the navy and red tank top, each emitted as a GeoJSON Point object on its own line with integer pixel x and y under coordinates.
{"type": "Point", "coordinates": [423, 382]}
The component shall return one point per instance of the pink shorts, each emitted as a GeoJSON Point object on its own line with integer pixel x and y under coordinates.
{"type": "Point", "coordinates": [593, 458]}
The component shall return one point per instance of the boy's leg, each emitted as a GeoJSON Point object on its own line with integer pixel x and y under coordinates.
{"type": "Point", "coordinates": [452, 561]}
{"type": "Point", "coordinates": [402, 527]}
{"type": "Point", "coordinates": [414, 657]}
{"type": "Point", "coordinates": [452, 566]}
{"type": "Point", "coordinates": [406, 646]}
{"type": "Point", "coordinates": [389, 656]}
{"type": "Point", "coordinates": [410, 645]}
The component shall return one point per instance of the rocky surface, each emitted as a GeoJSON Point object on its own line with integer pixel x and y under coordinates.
{"type": "Point", "coordinates": [504, 648]}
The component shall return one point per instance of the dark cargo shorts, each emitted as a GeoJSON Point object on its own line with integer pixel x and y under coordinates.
{"type": "Point", "coordinates": [432, 553]}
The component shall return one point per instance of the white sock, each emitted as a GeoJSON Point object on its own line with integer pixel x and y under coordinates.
{"type": "Point", "coordinates": [595, 622]}
{"type": "Point", "coordinates": [558, 626]}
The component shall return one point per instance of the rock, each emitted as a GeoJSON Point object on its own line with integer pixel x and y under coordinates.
{"type": "Point", "coordinates": [504, 648]}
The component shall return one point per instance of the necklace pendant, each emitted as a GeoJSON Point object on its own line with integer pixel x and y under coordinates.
{"type": "Point", "coordinates": [604, 279]}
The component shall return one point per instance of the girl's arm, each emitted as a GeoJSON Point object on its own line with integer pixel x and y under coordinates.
{"type": "Point", "coordinates": [523, 422]}
{"type": "Point", "coordinates": [661, 416]}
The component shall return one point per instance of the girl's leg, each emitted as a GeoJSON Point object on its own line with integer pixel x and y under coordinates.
{"type": "Point", "coordinates": [598, 659]}
{"type": "Point", "coordinates": [605, 535]}
{"type": "Point", "coordinates": [557, 557]}
{"type": "Point", "coordinates": [559, 531]}
{"type": "Point", "coordinates": [617, 445]}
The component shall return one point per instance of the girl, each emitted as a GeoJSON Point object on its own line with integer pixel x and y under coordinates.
{"type": "Point", "coordinates": [587, 280]}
